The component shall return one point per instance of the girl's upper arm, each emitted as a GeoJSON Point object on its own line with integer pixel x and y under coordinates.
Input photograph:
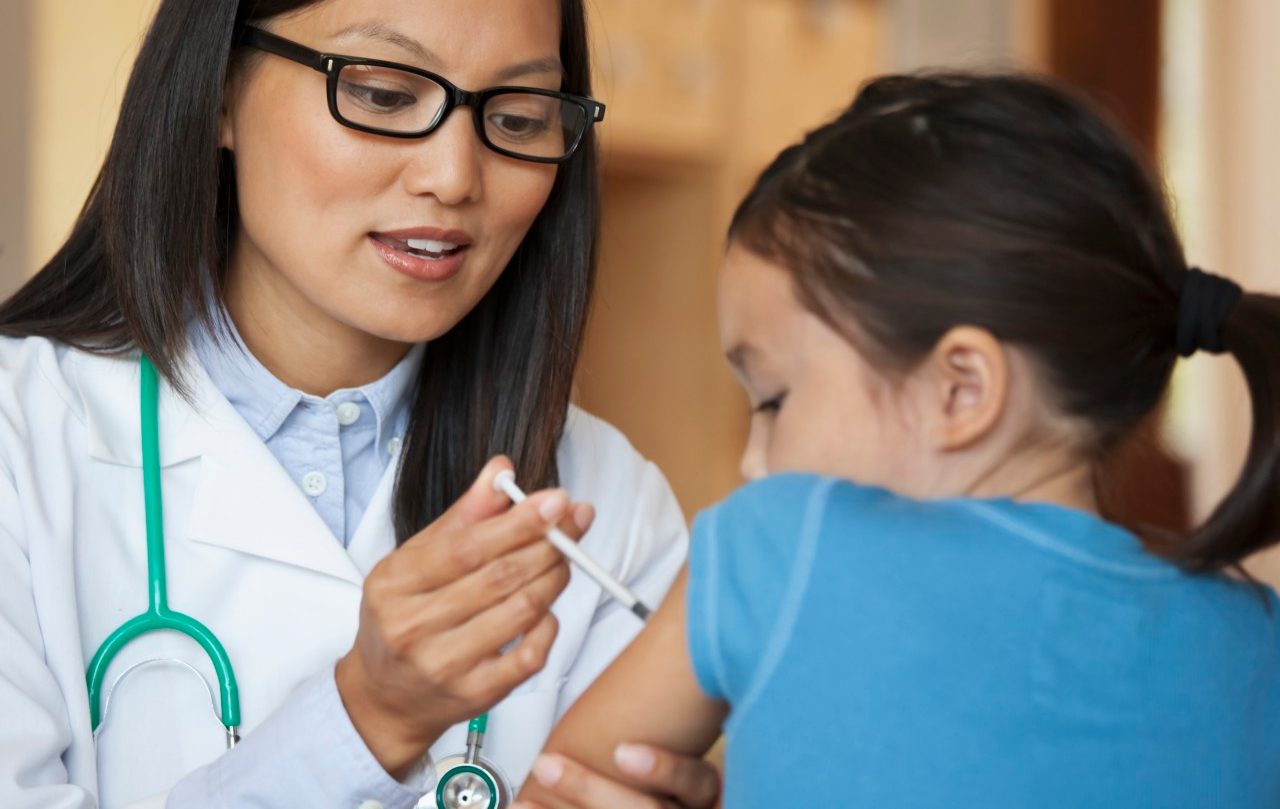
{"type": "Point", "coordinates": [649, 695]}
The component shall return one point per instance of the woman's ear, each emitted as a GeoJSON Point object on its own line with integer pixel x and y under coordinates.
{"type": "Point", "coordinates": [226, 125]}
{"type": "Point", "coordinates": [968, 377]}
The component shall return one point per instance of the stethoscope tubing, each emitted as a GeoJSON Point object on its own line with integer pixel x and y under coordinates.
{"type": "Point", "coordinates": [159, 616]}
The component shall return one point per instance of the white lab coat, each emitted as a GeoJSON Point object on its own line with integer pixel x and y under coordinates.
{"type": "Point", "coordinates": [248, 556]}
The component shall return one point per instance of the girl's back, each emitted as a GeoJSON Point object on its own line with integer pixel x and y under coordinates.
{"type": "Point", "coordinates": [962, 652]}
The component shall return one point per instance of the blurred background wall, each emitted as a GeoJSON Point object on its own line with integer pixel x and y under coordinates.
{"type": "Point", "coordinates": [701, 94]}
{"type": "Point", "coordinates": [15, 91]}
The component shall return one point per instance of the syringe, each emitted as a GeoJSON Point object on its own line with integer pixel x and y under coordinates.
{"type": "Point", "coordinates": [505, 482]}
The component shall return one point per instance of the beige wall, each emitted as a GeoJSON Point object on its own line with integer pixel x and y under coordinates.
{"type": "Point", "coordinates": [80, 57]}
{"type": "Point", "coordinates": [965, 33]}
{"type": "Point", "coordinates": [1242, 210]}
{"type": "Point", "coordinates": [14, 98]}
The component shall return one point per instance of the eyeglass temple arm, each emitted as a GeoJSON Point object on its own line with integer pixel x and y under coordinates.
{"type": "Point", "coordinates": [269, 42]}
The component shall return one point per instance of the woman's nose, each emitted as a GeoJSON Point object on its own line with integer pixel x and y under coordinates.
{"type": "Point", "coordinates": [446, 164]}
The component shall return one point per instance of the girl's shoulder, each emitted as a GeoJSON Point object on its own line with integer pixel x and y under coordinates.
{"type": "Point", "coordinates": [868, 519]}
{"type": "Point", "coordinates": [791, 501]}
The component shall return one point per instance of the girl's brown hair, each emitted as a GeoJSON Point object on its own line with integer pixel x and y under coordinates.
{"type": "Point", "coordinates": [1004, 202]}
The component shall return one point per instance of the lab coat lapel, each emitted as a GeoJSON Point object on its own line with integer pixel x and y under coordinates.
{"type": "Point", "coordinates": [246, 502]}
{"type": "Point", "coordinates": [375, 535]}
{"type": "Point", "coordinates": [109, 388]}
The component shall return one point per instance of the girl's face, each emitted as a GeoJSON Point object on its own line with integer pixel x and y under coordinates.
{"type": "Point", "coordinates": [969, 418]}
{"type": "Point", "coordinates": [817, 404]}
{"type": "Point", "coordinates": [326, 210]}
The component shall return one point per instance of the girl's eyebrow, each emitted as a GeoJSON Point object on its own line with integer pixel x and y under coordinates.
{"type": "Point", "coordinates": [743, 356]}
{"type": "Point", "coordinates": [390, 35]}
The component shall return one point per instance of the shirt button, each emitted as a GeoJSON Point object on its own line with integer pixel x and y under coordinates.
{"type": "Point", "coordinates": [348, 413]}
{"type": "Point", "coordinates": [393, 446]}
{"type": "Point", "coordinates": [314, 484]}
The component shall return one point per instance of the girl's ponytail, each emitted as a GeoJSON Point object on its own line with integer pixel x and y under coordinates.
{"type": "Point", "coordinates": [1216, 316]}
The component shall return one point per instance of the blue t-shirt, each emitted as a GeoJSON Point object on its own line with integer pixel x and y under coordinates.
{"type": "Point", "coordinates": [884, 652]}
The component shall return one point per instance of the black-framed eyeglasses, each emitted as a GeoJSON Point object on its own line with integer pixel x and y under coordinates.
{"type": "Point", "coordinates": [401, 101]}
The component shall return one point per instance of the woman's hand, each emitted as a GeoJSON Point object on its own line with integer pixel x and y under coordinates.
{"type": "Point", "coordinates": [659, 780]}
{"type": "Point", "coordinates": [456, 618]}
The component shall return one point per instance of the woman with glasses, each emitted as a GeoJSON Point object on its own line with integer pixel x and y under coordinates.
{"type": "Point", "coordinates": [331, 280]}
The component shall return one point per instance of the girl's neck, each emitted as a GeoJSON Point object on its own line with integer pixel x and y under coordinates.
{"type": "Point", "coordinates": [1061, 478]}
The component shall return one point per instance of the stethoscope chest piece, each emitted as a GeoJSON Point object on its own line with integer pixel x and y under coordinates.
{"type": "Point", "coordinates": [477, 784]}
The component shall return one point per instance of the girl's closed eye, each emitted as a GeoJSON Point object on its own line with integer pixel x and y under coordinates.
{"type": "Point", "coordinates": [772, 405]}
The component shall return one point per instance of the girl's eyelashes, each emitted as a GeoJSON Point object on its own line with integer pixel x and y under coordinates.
{"type": "Point", "coordinates": [771, 405]}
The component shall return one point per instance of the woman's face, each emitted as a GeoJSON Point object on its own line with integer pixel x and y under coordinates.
{"type": "Point", "coordinates": [326, 211]}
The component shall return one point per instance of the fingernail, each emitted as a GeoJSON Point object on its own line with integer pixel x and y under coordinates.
{"type": "Point", "coordinates": [552, 509]}
{"type": "Point", "coordinates": [548, 769]}
{"type": "Point", "coordinates": [634, 758]}
{"type": "Point", "coordinates": [583, 515]}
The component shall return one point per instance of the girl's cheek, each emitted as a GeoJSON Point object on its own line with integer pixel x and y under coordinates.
{"type": "Point", "coordinates": [755, 457]}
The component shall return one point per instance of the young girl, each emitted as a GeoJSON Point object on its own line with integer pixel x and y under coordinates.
{"type": "Point", "coordinates": [947, 307]}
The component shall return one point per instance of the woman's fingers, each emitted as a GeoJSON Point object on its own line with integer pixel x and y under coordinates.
{"type": "Point", "coordinates": [482, 637]}
{"type": "Point", "coordinates": [694, 782]}
{"type": "Point", "coordinates": [444, 553]}
{"type": "Point", "coordinates": [496, 677]}
{"type": "Point", "coordinates": [580, 787]}
{"type": "Point", "coordinates": [499, 578]}
{"type": "Point", "coordinates": [669, 781]}
{"type": "Point", "coordinates": [437, 613]}
{"type": "Point", "coordinates": [492, 584]}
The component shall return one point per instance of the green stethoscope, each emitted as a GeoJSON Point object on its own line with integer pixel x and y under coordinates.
{"type": "Point", "coordinates": [469, 781]}
{"type": "Point", "coordinates": [158, 615]}
{"type": "Point", "coordinates": [466, 781]}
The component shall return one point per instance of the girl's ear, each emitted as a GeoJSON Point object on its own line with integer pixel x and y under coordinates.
{"type": "Point", "coordinates": [968, 379]}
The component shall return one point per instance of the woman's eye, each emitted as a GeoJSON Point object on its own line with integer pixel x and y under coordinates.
{"type": "Point", "coordinates": [379, 99]}
{"type": "Point", "coordinates": [518, 126]}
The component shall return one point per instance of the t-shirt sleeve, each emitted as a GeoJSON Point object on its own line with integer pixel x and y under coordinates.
{"type": "Point", "coordinates": [750, 560]}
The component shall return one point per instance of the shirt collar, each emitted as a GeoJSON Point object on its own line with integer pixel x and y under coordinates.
{"type": "Point", "coordinates": [265, 402]}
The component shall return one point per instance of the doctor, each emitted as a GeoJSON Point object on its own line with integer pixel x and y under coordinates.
{"type": "Point", "coordinates": [361, 283]}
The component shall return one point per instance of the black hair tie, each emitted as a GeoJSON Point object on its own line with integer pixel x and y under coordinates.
{"type": "Point", "coordinates": [1203, 305]}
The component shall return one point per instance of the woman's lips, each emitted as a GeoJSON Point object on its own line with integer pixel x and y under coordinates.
{"type": "Point", "coordinates": [426, 256]}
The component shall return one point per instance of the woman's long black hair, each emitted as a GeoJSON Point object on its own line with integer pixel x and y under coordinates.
{"type": "Point", "coordinates": [156, 231]}
{"type": "Point", "coordinates": [1004, 202]}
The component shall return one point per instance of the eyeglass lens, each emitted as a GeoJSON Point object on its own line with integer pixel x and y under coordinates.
{"type": "Point", "coordinates": [396, 101]}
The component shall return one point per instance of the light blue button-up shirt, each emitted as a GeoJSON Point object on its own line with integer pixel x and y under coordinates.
{"type": "Point", "coordinates": [337, 447]}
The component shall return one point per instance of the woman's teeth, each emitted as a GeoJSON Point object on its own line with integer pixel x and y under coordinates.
{"type": "Point", "coordinates": [430, 246]}
{"type": "Point", "coordinates": [427, 248]}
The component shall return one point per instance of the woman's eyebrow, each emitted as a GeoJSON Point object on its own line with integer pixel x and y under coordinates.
{"type": "Point", "coordinates": [388, 34]}
{"type": "Point", "coordinates": [385, 33]}
{"type": "Point", "coordinates": [531, 68]}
